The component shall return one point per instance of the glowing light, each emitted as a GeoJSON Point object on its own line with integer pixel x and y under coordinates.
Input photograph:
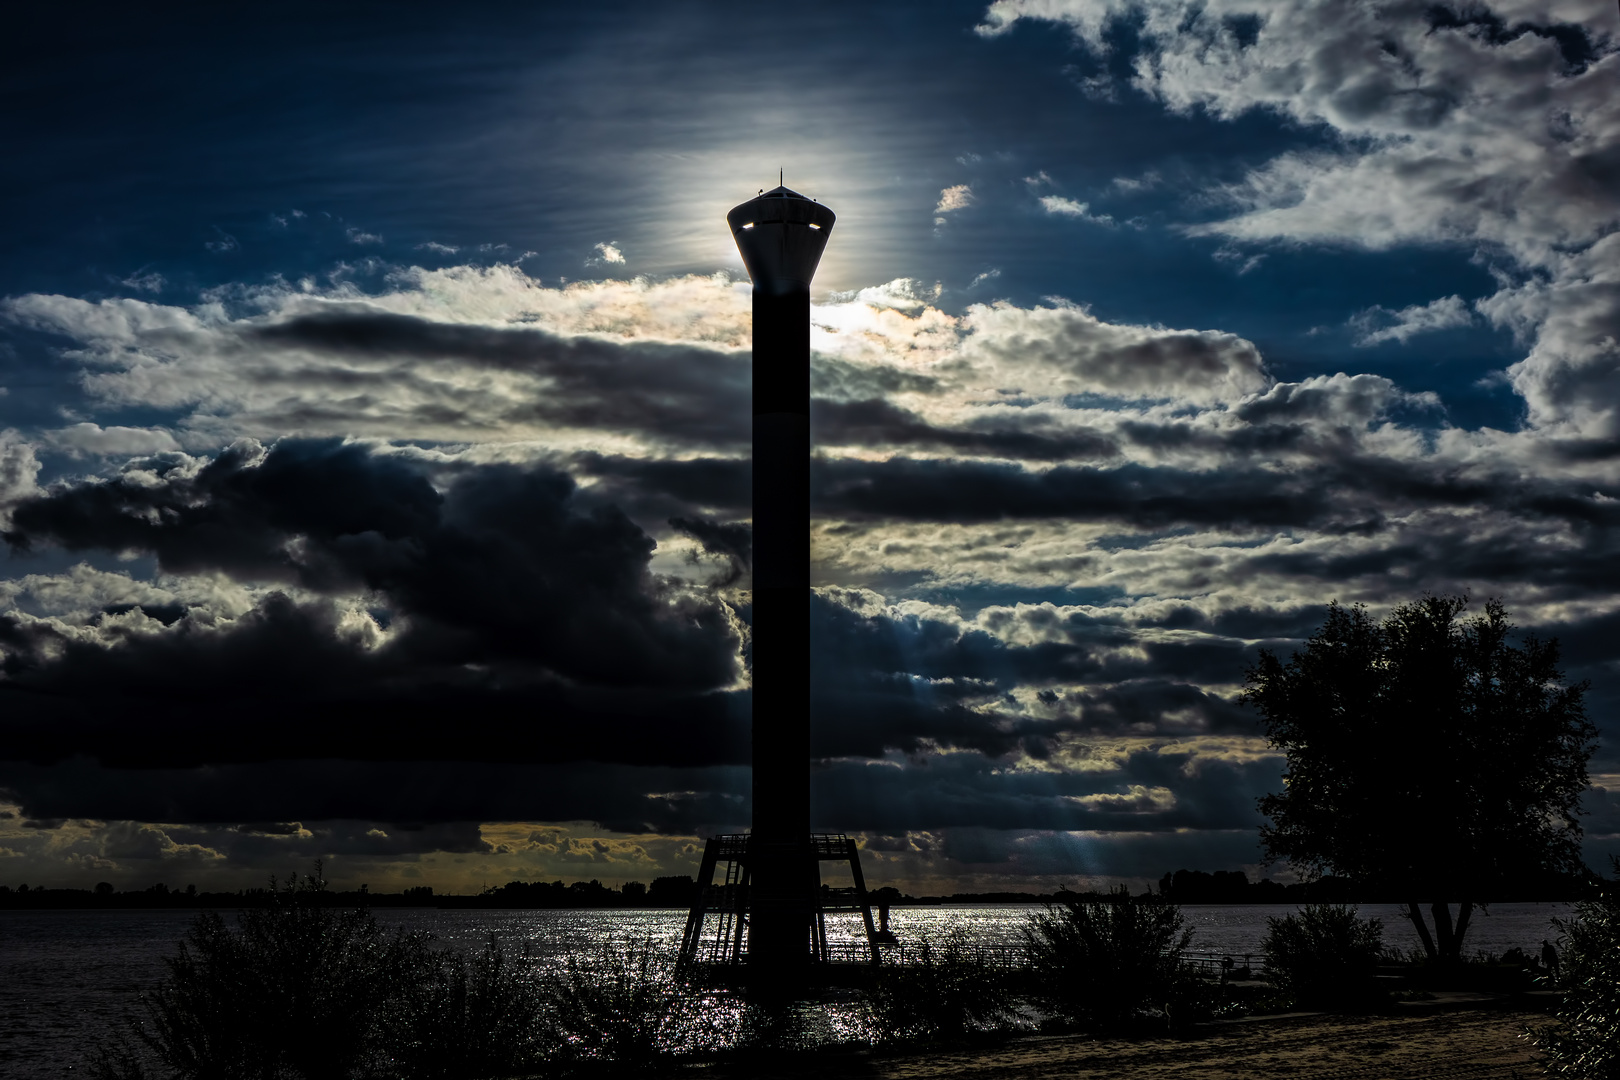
{"type": "Point", "coordinates": [813, 225]}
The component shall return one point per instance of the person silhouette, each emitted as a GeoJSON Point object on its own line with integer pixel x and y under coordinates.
{"type": "Point", "coordinates": [1549, 957]}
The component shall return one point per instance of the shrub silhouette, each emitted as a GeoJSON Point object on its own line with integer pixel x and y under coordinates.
{"type": "Point", "coordinates": [1586, 1041]}
{"type": "Point", "coordinates": [1326, 956]}
{"type": "Point", "coordinates": [946, 993]}
{"type": "Point", "coordinates": [458, 1016]}
{"type": "Point", "coordinates": [1106, 963]}
{"type": "Point", "coordinates": [300, 990]}
{"type": "Point", "coordinates": [291, 992]}
{"type": "Point", "coordinates": [623, 1005]}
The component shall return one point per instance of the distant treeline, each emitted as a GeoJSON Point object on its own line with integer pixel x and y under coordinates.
{"type": "Point", "coordinates": [678, 891]}
{"type": "Point", "coordinates": [1234, 887]}
{"type": "Point", "coordinates": [665, 892]}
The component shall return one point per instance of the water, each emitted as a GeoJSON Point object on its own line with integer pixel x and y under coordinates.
{"type": "Point", "coordinates": [67, 977]}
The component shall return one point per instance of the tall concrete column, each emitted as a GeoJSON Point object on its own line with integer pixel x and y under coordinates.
{"type": "Point", "coordinates": [781, 235]}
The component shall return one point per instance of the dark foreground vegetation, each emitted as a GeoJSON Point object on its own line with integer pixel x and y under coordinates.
{"type": "Point", "coordinates": [302, 990]}
{"type": "Point", "coordinates": [1585, 1043]}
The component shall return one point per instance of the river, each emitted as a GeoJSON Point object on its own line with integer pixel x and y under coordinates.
{"type": "Point", "coordinates": [68, 977]}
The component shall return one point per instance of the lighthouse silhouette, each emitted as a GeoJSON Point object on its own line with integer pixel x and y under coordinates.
{"type": "Point", "coordinates": [766, 918]}
{"type": "Point", "coordinates": [781, 235]}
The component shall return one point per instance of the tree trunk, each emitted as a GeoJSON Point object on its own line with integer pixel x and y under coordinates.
{"type": "Point", "coordinates": [1465, 909]}
{"type": "Point", "coordinates": [1442, 930]}
{"type": "Point", "coordinates": [1445, 944]}
{"type": "Point", "coordinates": [1415, 913]}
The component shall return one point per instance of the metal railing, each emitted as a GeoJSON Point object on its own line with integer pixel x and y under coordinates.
{"type": "Point", "coordinates": [1231, 965]}
{"type": "Point", "coordinates": [1009, 956]}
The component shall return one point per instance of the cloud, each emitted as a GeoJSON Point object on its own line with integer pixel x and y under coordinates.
{"type": "Point", "coordinates": [874, 423]}
{"type": "Point", "coordinates": [1446, 313]}
{"type": "Point", "coordinates": [607, 253]}
{"type": "Point", "coordinates": [1057, 204]}
{"type": "Point", "coordinates": [222, 242]}
{"type": "Point", "coordinates": [1571, 378]}
{"type": "Point", "coordinates": [1485, 125]}
{"type": "Point", "coordinates": [956, 197]}
{"type": "Point", "coordinates": [377, 594]}
{"type": "Point", "coordinates": [457, 354]}
{"type": "Point", "coordinates": [149, 281]}
{"type": "Point", "coordinates": [731, 540]}
{"type": "Point", "coordinates": [87, 439]}
{"type": "Point", "coordinates": [361, 237]}
{"type": "Point", "coordinates": [1067, 348]}
{"type": "Point", "coordinates": [1429, 89]}
{"type": "Point", "coordinates": [19, 467]}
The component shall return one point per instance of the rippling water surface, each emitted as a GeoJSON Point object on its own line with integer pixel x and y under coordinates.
{"type": "Point", "coordinates": [66, 977]}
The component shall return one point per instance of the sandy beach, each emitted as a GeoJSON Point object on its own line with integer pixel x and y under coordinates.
{"type": "Point", "coordinates": [1460, 1045]}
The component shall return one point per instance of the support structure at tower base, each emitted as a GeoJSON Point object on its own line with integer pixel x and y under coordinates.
{"type": "Point", "coordinates": [714, 945]}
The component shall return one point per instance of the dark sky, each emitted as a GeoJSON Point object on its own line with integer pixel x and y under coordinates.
{"type": "Point", "coordinates": [374, 425]}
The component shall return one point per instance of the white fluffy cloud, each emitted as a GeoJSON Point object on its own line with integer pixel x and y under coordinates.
{"type": "Point", "coordinates": [1490, 125]}
{"type": "Point", "coordinates": [955, 197]}
{"type": "Point", "coordinates": [1378, 324]}
{"type": "Point", "coordinates": [1064, 349]}
{"type": "Point", "coordinates": [87, 439]}
{"type": "Point", "coordinates": [452, 355]}
{"type": "Point", "coordinates": [1057, 204]}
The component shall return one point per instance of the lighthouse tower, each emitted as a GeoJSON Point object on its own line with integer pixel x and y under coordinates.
{"type": "Point", "coordinates": [760, 909]}
{"type": "Point", "coordinates": [781, 235]}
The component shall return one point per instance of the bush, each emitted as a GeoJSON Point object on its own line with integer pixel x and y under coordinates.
{"type": "Point", "coordinates": [946, 992]}
{"type": "Point", "coordinates": [292, 992]}
{"type": "Point", "coordinates": [1108, 963]}
{"type": "Point", "coordinates": [1586, 1041]}
{"type": "Point", "coordinates": [455, 1016]}
{"type": "Point", "coordinates": [1326, 956]}
{"type": "Point", "coordinates": [623, 1005]}
{"type": "Point", "coordinates": [303, 991]}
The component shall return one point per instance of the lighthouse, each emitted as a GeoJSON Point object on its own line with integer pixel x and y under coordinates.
{"type": "Point", "coordinates": [781, 235]}
{"type": "Point", "coordinates": [761, 908]}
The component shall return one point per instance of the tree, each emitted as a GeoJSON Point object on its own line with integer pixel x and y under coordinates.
{"type": "Point", "coordinates": [1427, 756]}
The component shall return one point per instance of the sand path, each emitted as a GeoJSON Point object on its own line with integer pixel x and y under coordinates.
{"type": "Point", "coordinates": [1472, 1045]}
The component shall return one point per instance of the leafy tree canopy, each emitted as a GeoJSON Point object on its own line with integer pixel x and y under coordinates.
{"type": "Point", "coordinates": [1426, 754]}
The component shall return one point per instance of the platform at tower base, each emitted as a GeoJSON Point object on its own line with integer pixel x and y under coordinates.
{"type": "Point", "coordinates": [714, 944]}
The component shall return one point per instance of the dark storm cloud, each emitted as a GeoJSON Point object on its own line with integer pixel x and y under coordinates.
{"type": "Point", "coordinates": [680, 392]}
{"type": "Point", "coordinates": [506, 601]}
{"type": "Point", "coordinates": [675, 486]}
{"type": "Point", "coordinates": [872, 422]}
{"type": "Point", "coordinates": [840, 380]}
{"type": "Point", "coordinates": [1349, 495]}
{"type": "Point", "coordinates": [732, 540]}
{"type": "Point", "coordinates": [285, 681]}
{"type": "Point", "coordinates": [971, 492]}
{"type": "Point", "coordinates": [623, 798]}
{"type": "Point", "coordinates": [882, 683]}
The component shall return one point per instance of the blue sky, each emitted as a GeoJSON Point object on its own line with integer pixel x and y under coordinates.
{"type": "Point", "coordinates": [375, 413]}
